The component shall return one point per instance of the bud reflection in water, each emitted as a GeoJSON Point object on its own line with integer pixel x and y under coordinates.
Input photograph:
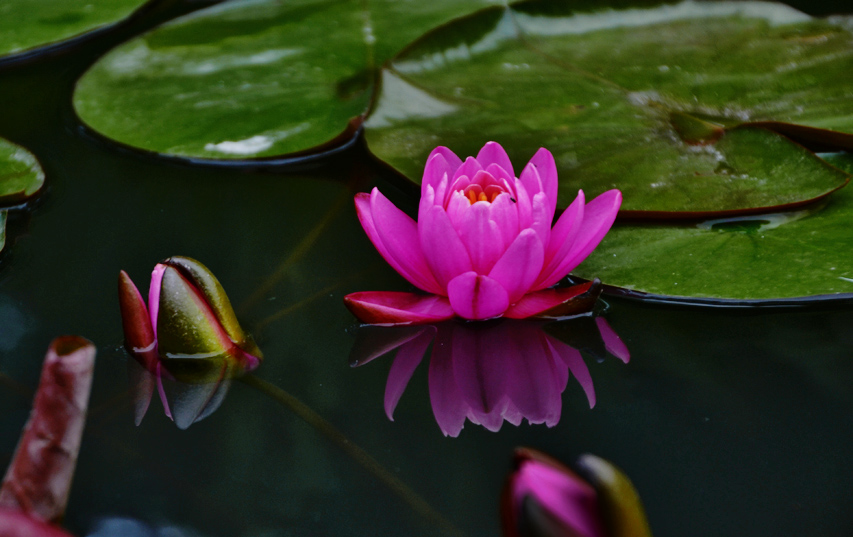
{"type": "Point", "coordinates": [490, 372]}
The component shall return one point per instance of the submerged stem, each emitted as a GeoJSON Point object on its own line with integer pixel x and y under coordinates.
{"type": "Point", "coordinates": [296, 254]}
{"type": "Point", "coordinates": [307, 414]}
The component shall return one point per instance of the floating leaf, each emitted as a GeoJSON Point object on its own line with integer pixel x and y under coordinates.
{"type": "Point", "coordinates": [21, 175]}
{"type": "Point", "coordinates": [251, 78]}
{"type": "Point", "coordinates": [25, 24]}
{"type": "Point", "coordinates": [644, 99]}
{"type": "Point", "coordinates": [762, 257]}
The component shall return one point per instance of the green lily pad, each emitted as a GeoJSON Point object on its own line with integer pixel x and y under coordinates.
{"type": "Point", "coordinates": [252, 78]}
{"type": "Point", "coordinates": [762, 257]}
{"type": "Point", "coordinates": [25, 24]}
{"type": "Point", "coordinates": [21, 175]}
{"type": "Point", "coordinates": [644, 99]}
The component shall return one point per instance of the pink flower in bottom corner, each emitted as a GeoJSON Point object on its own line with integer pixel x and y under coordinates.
{"type": "Point", "coordinates": [483, 245]}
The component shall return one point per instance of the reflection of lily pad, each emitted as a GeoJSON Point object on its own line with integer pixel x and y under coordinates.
{"type": "Point", "coordinates": [25, 24]}
{"type": "Point", "coordinates": [251, 78]}
{"type": "Point", "coordinates": [763, 257]}
{"type": "Point", "coordinates": [614, 94]}
{"type": "Point", "coordinates": [20, 174]}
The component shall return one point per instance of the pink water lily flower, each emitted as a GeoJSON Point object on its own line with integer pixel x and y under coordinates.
{"type": "Point", "coordinates": [483, 245]}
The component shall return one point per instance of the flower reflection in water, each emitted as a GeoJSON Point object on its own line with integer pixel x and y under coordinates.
{"type": "Point", "coordinates": [490, 372]}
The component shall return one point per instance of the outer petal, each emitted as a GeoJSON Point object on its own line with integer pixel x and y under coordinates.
{"type": "Point", "coordinates": [402, 253]}
{"type": "Point", "coordinates": [493, 153]}
{"type": "Point", "coordinates": [518, 268]}
{"type": "Point", "coordinates": [556, 303]}
{"type": "Point", "coordinates": [562, 237]}
{"type": "Point", "coordinates": [139, 337]}
{"type": "Point", "coordinates": [405, 363]}
{"type": "Point", "coordinates": [444, 251]}
{"type": "Point", "coordinates": [390, 308]}
{"type": "Point", "coordinates": [474, 296]}
{"type": "Point", "coordinates": [599, 215]}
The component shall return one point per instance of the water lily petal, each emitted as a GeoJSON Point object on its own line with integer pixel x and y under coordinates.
{"type": "Point", "coordinates": [493, 152]}
{"type": "Point", "coordinates": [390, 308]}
{"type": "Point", "coordinates": [139, 337]}
{"type": "Point", "coordinates": [445, 253]}
{"type": "Point", "coordinates": [524, 204]}
{"type": "Point", "coordinates": [474, 296]}
{"type": "Point", "coordinates": [469, 168]}
{"type": "Point", "coordinates": [562, 238]}
{"type": "Point", "coordinates": [154, 293]}
{"type": "Point", "coordinates": [501, 175]}
{"type": "Point", "coordinates": [440, 162]}
{"type": "Point", "coordinates": [404, 256]}
{"type": "Point", "coordinates": [504, 212]}
{"type": "Point", "coordinates": [543, 163]}
{"type": "Point", "coordinates": [541, 217]}
{"type": "Point", "coordinates": [563, 495]}
{"type": "Point", "coordinates": [598, 217]}
{"type": "Point", "coordinates": [407, 360]}
{"type": "Point", "coordinates": [612, 342]}
{"type": "Point", "coordinates": [520, 265]}
{"type": "Point", "coordinates": [481, 236]}
{"type": "Point", "coordinates": [556, 303]}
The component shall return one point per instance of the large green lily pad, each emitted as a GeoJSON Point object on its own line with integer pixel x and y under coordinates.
{"type": "Point", "coordinates": [27, 24]}
{"type": "Point", "coordinates": [21, 175]}
{"type": "Point", "coordinates": [762, 257]}
{"type": "Point", "coordinates": [252, 78]}
{"type": "Point", "coordinates": [643, 99]}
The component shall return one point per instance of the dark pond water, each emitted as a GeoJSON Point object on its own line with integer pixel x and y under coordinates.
{"type": "Point", "coordinates": [729, 422]}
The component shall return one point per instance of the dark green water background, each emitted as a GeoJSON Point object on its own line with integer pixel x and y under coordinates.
{"type": "Point", "coordinates": [729, 422]}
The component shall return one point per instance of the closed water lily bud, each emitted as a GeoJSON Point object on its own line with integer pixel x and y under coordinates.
{"type": "Point", "coordinates": [543, 498]}
{"type": "Point", "coordinates": [188, 316]}
{"type": "Point", "coordinates": [188, 333]}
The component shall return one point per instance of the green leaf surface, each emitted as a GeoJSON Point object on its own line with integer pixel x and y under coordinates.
{"type": "Point", "coordinates": [21, 175]}
{"type": "Point", "coordinates": [762, 257]}
{"type": "Point", "coordinates": [252, 78]}
{"type": "Point", "coordinates": [644, 99]}
{"type": "Point", "coordinates": [27, 24]}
